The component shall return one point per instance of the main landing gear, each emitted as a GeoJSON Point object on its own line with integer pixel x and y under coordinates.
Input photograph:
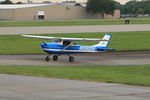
{"type": "Point", "coordinates": [55, 58]}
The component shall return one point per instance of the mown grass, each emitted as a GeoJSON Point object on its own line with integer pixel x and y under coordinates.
{"type": "Point", "coordinates": [133, 75]}
{"type": "Point", "coordinates": [73, 22]}
{"type": "Point", "coordinates": [16, 44]}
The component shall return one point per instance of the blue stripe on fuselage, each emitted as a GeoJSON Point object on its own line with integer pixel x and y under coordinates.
{"type": "Point", "coordinates": [61, 49]}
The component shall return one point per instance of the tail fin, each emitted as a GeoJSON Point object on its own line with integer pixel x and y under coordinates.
{"type": "Point", "coordinates": [104, 44]}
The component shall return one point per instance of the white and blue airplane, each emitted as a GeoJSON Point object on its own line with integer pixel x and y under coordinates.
{"type": "Point", "coordinates": [61, 46]}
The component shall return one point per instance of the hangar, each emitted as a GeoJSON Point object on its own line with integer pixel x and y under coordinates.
{"type": "Point", "coordinates": [48, 12]}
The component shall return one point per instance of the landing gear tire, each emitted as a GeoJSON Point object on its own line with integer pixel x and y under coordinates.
{"type": "Point", "coordinates": [55, 57]}
{"type": "Point", "coordinates": [71, 59]}
{"type": "Point", "coordinates": [47, 58]}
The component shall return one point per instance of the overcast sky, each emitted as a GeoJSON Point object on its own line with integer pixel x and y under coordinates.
{"type": "Point", "coordinates": [121, 1]}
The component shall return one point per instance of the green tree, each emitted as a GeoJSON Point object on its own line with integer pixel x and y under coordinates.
{"type": "Point", "coordinates": [137, 7]}
{"type": "Point", "coordinates": [119, 6]}
{"type": "Point", "coordinates": [7, 2]}
{"type": "Point", "coordinates": [131, 7]}
{"type": "Point", "coordinates": [101, 7]}
{"type": "Point", "coordinates": [19, 2]}
{"type": "Point", "coordinates": [138, 11]}
{"type": "Point", "coordinates": [146, 6]}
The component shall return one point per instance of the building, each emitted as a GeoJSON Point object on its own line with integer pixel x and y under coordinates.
{"type": "Point", "coordinates": [48, 12]}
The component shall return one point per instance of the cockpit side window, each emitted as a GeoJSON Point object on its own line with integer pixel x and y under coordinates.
{"type": "Point", "coordinates": [71, 43]}
{"type": "Point", "coordinates": [66, 43]}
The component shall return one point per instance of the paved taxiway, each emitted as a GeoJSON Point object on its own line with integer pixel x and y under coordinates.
{"type": "Point", "coordinates": [73, 29]}
{"type": "Point", "coordinates": [15, 87]}
{"type": "Point", "coordinates": [114, 58]}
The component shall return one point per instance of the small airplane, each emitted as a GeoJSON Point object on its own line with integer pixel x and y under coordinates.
{"type": "Point", "coordinates": [61, 46]}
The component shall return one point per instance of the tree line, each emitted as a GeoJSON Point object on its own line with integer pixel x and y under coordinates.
{"type": "Point", "coordinates": [9, 2]}
{"type": "Point", "coordinates": [134, 7]}
{"type": "Point", "coordinates": [108, 6]}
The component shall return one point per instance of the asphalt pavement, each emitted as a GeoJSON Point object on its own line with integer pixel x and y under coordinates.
{"type": "Point", "coordinates": [15, 87]}
{"type": "Point", "coordinates": [113, 58]}
{"type": "Point", "coordinates": [73, 29]}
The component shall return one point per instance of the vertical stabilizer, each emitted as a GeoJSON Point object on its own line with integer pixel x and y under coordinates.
{"type": "Point", "coordinates": [104, 44]}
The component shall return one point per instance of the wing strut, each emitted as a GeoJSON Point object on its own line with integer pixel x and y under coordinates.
{"type": "Point", "coordinates": [68, 45]}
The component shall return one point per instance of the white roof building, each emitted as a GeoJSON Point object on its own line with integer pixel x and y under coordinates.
{"type": "Point", "coordinates": [15, 6]}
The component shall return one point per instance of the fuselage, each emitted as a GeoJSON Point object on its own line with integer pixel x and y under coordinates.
{"type": "Point", "coordinates": [56, 48]}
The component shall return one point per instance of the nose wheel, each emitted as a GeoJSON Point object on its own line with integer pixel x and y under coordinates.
{"type": "Point", "coordinates": [47, 58]}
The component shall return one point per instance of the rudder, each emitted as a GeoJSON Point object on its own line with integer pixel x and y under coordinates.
{"type": "Point", "coordinates": [105, 44]}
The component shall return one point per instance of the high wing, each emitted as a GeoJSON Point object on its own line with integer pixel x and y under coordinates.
{"type": "Point", "coordinates": [67, 39]}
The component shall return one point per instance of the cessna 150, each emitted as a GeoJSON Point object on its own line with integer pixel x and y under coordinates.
{"type": "Point", "coordinates": [68, 46]}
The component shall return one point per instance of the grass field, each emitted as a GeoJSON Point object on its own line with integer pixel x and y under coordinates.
{"type": "Point", "coordinates": [15, 44]}
{"type": "Point", "coordinates": [72, 22]}
{"type": "Point", "coordinates": [133, 75]}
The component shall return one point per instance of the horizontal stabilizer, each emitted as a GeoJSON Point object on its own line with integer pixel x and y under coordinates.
{"type": "Point", "coordinates": [106, 49]}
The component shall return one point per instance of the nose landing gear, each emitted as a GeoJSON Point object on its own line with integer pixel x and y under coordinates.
{"type": "Point", "coordinates": [47, 58]}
